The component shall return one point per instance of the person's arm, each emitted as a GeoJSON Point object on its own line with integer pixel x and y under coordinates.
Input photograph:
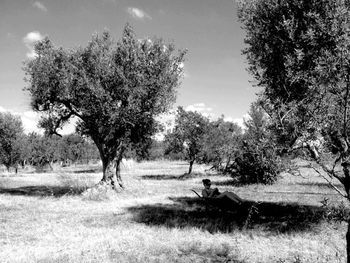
{"type": "Point", "coordinates": [214, 192]}
{"type": "Point", "coordinates": [204, 193]}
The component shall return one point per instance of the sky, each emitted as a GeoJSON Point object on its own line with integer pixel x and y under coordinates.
{"type": "Point", "coordinates": [215, 82]}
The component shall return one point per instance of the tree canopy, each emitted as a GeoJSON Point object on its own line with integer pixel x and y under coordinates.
{"type": "Point", "coordinates": [298, 51]}
{"type": "Point", "coordinates": [220, 143]}
{"type": "Point", "coordinates": [113, 89]}
{"type": "Point", "coordinates": [11, 139]}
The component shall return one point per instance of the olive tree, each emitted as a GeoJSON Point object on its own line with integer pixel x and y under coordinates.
{"type": "Point", "coordinates": [113, 89]}
{"type": "Point", "coordinates": [11, 140]}
{"type": "Point", "coordinates": [187, 135]}
{"type": "Point", "coordinates": [220, 144]}
{"type": "Point", "coordinates": [299, 52]}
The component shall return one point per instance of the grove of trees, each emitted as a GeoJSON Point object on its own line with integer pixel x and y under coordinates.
{"type": "Point", "coordinates": [18, 149]}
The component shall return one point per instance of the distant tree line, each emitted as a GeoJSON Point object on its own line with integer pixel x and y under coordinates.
{"type": "Point", "coordinates": [18, 149]}
{"type": "Point", "coordinates": [249, 155]}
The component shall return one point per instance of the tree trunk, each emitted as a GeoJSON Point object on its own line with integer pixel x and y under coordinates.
{"type": "Point", "coordinates": [348, 243]}
{"type": "Point", "coordinates": [109, 176]}
{"type": "Point", "coordinates": [190, 169]}
{"type": "Point", "coordinates": [346, 183]}
{"type": "Point", "coordinates": [117, 171]}
{"type": "Point", "coordinates": [227, 164]}
{"type": "Point", "coordinates": [107, 169]}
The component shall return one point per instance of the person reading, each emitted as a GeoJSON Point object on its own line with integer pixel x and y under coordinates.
{"type": "Point", "coordinates": [209, 192]}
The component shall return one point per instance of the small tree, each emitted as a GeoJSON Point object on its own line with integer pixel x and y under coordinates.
{"type": "Point", "coordinates": [220, 144]}
{"type": "Point", "coordinates": [257, 157]}
{"type": "Point", "coordinates": [188, 135]}
{"type": "Point", "coordinates": [11, 140]}
{"type": "Point", "coordinates": [114, 90]}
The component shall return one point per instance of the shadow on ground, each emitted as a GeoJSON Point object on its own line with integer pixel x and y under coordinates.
{"type": "Point", "coordinates": [44, 191]}
{"type": "Point", "coordinates": [320, 184]}
{"type": "Point", "coordinates": [196, 212]}
{"type": "Point", "coordinates": [96, 170]}
{"type": "Point", "coordinates": [184, 176]}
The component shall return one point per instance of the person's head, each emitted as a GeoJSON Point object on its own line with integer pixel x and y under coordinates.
{"type": "Point", "coordinates": [206, 183]}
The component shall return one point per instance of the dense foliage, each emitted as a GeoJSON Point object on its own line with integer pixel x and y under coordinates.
{"type": "Point", "coordinates": [11, 140]}
{"type": "Point", "coordinates": [257, 157]}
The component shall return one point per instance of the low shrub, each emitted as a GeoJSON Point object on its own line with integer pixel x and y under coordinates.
{"type": "Point", "coordinates": [256, 162]}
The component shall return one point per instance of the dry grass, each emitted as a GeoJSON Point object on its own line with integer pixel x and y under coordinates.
{"type": "Point", "coordinates": [47, 217]}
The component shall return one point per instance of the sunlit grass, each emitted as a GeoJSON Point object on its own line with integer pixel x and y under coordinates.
{"type": "Point", "coordinates": [155, 219]}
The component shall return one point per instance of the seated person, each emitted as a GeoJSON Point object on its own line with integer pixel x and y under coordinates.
{"type": "Point", "coordinates": [208, 192]}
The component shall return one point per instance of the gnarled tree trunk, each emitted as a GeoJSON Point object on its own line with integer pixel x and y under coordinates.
{"type": "Point", "coordinates": [111, 169]}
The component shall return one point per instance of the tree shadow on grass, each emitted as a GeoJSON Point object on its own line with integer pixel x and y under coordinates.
{"type": "Point", "coordinates": [196, 212]}
{"type": "Point", "coordinates": [43, 190]}
{"type": "Point", "coordinates": [96, 170]}
{"type": "Point", "coordinates": [184, 176]}
{"type": "Point", "coordinates": [320, 184]}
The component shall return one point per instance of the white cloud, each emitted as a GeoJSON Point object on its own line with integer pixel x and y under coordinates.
{"type": "Point", "coordinates": [239, 121]}
{"type": "Point", "coordinates": [40, 6]}
{"type": "Point", "coordinates": [138, 13]}
{"type": "Point", "coordinates": [167, 120]}
{"type": "Point", "coordinates": [29, 119]}
{"type": "Point", "coordinates": [201, 108]}
{"type": "Point", "coordinates": [32, 37]}
{"type": "Point", "coordinates": [29, 40]}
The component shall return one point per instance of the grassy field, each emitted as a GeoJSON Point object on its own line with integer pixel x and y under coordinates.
{"type": "Point", "coordinates": [49, 217]}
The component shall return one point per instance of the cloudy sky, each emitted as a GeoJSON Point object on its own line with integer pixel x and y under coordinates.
{"type": "Point", "coordinates": [215, 82]}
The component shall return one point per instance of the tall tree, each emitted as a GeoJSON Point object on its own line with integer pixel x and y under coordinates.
{"type": "Point", "coordinates": [188, 134]}
{"type": "Point", "coordinates": [298, 51]}
{"type": "Point", "coordinates": [114, 90]}
{"type": "Point", "coordinates": [11, 139]}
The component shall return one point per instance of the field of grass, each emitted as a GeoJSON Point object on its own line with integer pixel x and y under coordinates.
{"type": "Point", "coordinates": [49, 217]}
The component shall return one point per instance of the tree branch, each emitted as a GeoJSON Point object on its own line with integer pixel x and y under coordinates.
{"type": "Point", "coordinates": [330, 183]}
